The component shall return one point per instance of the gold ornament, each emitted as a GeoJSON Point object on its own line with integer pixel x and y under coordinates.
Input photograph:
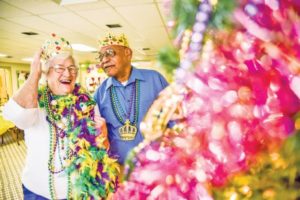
{"type": "Point", "coordinates": [127, 131]}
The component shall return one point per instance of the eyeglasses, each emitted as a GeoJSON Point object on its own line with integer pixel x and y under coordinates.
{"type": "Point", "coordinates": [106, 53]}
{"type": "Point", "coordinates": [60, 69]}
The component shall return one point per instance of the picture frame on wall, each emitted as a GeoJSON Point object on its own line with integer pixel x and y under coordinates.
{"type": "Point", "coordinates": [22, 75]}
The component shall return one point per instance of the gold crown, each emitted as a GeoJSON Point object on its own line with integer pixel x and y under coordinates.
{"type": "Point", "coordinates": [111, 39]}
{"type": "Point", "coordinates": [54, 46]}
{"type": "Point", "coordinates": [127, 132]}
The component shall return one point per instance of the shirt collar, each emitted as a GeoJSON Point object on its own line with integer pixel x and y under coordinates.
{"type": "Point", "coordinates": [135, 74]}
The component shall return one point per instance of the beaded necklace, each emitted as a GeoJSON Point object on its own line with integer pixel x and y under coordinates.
{"type": "Point", "coordinates": [129, 129]}
{"type": "Point", "coordinates": [72, 130]}
{"type": "Point", "coordinates": [55, 140]}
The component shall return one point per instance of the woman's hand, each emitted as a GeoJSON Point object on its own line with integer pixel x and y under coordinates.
{"type": "Point", "coordinates": [36, 67]}
{"type": "Point", "coordinates": [27, 95]}
{"type": "Point", "coordinates": [100, 125]}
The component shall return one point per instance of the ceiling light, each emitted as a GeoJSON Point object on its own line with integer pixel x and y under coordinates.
{"type": "Point", "coordinates": [28, 59]}
{"type": "Point", "coordinates": [3, 55]}
{"type": "Point", "coordinates": [70, 2]}
{"type": "Point", "coordinates": [82, 47]}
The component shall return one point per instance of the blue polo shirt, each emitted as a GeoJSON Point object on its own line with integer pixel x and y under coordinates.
{"type": "Point", "coordinates": [151, 83]}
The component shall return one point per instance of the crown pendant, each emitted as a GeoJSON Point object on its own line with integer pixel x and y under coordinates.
{"type": "Point", "coordinates": [127, 131]}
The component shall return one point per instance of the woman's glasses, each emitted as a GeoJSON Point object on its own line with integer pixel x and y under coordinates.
{"type": "Point", "coordinates": [60, 69]}
{"type": "Point", "coordinates": [107, 53]}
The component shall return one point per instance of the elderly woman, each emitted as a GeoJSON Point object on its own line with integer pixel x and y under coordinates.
{"type": "Point", "coordinates": [66, 154]}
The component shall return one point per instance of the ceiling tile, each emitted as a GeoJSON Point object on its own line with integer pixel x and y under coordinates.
{"type": "Point", "coordinates": [141, 16]}
{"type": "Point", "coordinates": [37, 6]}
{"type": "Point", "coordinates": [158, 37]}
{"type": "Point", "coordinates": [13, 31]}
{"type": "Point", "coordinates": [73, 22]}
{"type": "Point", "coordinates": [141, 21]}
{"type": "Point", "coordinates": [87, 6]}
{"type": "Point", "coordinates": [7, 10]}
{"type": "Point", "coordinates": [18, 47]}
{"type": "Point", "coordinates": [35, 22]}
{"type": "Point", "coordinates": [103, 17]}
{"type": "Point", "coordinates": [21, 40]}
{"type": "Point", "coordinates": [10, 26]}
{"type": "Point", "coordinates": [127, 2]}
{"type": "Point", "coordinates": [164, 12]}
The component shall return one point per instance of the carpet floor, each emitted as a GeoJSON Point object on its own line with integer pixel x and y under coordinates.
{"type": "Point", "coordinates": [12, 158]}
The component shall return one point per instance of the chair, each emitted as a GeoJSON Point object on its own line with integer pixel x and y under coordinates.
{"type": "Point", "coordinates": [7, 127]}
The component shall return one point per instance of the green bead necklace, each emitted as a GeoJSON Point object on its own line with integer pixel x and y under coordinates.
{"type": "Point", "coordinates": [54, 143]}
{"type": "Point", "coordinates": [129, 129]}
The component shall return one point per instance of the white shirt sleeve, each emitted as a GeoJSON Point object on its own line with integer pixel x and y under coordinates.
{"type": "Point", "coordinates": [23, 118]}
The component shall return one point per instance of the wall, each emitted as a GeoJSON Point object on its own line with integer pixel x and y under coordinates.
{"type": "Point", "coordinates": [152, 65]}
{"type": "Point", "coordinates": [12, 69]}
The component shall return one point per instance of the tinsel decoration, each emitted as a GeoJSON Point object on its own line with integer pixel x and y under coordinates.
{"type": "Point", "coordinates": [274, 176]}
{"type": "Point", "coordinates": [235, 103]}
{"type": "Point", "coordinates": [168, 59]}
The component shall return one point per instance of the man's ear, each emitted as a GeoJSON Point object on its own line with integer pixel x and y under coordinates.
{"type": "Point", "coordinates": [128, 52]}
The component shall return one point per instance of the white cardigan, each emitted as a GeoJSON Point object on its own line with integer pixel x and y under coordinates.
{"type": "Point", "coordinates": [37, 138]}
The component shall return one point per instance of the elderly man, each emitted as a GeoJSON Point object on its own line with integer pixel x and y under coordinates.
{"type": "Point", "coordinates": [125, 97]}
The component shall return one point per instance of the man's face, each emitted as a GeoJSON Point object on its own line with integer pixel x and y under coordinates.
{"type": "Point", "coordinates": [115, 60]}
{"type": "Point", "coordinates": [62, 76]}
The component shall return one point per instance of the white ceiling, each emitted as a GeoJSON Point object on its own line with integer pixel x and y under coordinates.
{"type": "Point", "coordinates": [143, 22]}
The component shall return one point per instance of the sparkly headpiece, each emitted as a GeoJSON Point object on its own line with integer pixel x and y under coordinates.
{"type": "Point", "coordinates": [111, 39]}
{"type": "Point", "coordinates": [54, 46]}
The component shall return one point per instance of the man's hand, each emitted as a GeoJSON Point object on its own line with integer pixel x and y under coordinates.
{"type": "Point", "coordinates": [100, 125]}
